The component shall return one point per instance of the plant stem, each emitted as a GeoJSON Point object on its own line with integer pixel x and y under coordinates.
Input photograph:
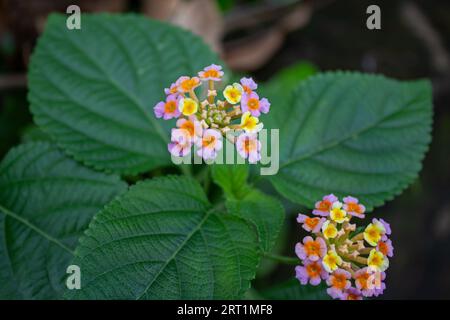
{"type": "Point", "coordinates": [281, 259]}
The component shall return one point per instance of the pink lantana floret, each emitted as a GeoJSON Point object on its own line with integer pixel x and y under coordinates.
{"type": "Point", "coordinates": [311, 249]}
{"type": "Point", "coordinates": [248, 146]}
{"type": "Point", "coordinates": [167, 109]}
{"type": "Point", "coordinates": [351, 294]}
{"type": "Point", "coordinates": [322, 208]}
{"type": "Point", "coordinates": [209, 144]}
{"type": "Point", "coordinates": [180, 144]}
{"type": "Point", "coordinates": [251, 102]}
{"type": "Point", "coordinates": [386, 248]}
{"type": "Point", "coordinates": [309, 224]}
{"type": "Point", "coordinates": [248, 85]}
{"type": "Point", "coordinates": [312, 272]}
{"type": "Point", "coordinates": [212, 72]}
{"type": "Point", "coordinates": [353, 207]}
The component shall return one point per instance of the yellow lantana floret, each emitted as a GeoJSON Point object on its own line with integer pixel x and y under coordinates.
{"type": "Point", "coordinates": [233, 93]}
{"type": "Point", "coordinates": [331, 261]}
{"type": "Point", "coordinates": [188, 106]}
{"type": "Point", "coordinates": [337, 213]}
{"type": "Point", "coordinates": [377, 261]}
{"type": "Point", "coordinates": [329, 230]}
{"type": "Point", "coordinates": [250, 123]}
{"type": "Point", "coordinates": [373, 233]}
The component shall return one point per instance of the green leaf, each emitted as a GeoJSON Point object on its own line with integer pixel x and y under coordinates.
{"type": "Point", "coordinates": [93, 90]}
{"type": "Point", "coordinates": [351, 134]}
{"type": "Point", "coordinates": [232, 179]}
{"type": "Point", "coordinates": [33, 133]}
{"type": "Point", "coordinates": [293, 290]}
{"type": "Point", "coordinates": [163, 240]}
{"type": "Point", "coordinates": [289, 78]}
{"type": "Point", "coordinates": [264, 212]}
{"type": "Point", "coordinates": [279, 89]}
{"type": "Point", "coordinates": [46, 201]}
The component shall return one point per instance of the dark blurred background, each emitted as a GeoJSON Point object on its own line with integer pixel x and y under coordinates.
{"type": "Point", "coordinates": [263, 37]}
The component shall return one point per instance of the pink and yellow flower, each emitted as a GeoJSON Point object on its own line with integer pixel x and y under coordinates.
{"type": "Point", "coordinates": [249, 146]}
{"type": "Point", "coordinates": [250, 124]}
{"type": "Point", "coordinates": [233, 93]}
{"type": "Point", "coordinates": [312, 272]}
{"type": "Point", "coordinates": [248, 85]}
{"type": "Point", "coordinates": [322, 208]}
{"type": "Point", "coordinates": [311, 249]}
{"type": "Point", "coordinates": [173, 89]}
{"type": "Point", "coordinates": [192, 126]}
{"type": "Point", "coordinates": [212, 72]}
{"type": "Point", "coordinates": [369, 282]}
{"type": "Point", "coordinates": [351, 294]}
{"type": "Point", "coordinates": [310, 224]}
{"type": "Point", "coordinates": [331, 261]}
{"type": "Point", "coordinates": [374, 232]}
{"type": "Point", "coordinates": [209, 144]}
{"type": "Point", "coordinates": [386, 248]}
{"type": "Point", "coordinates": [187, 106]}
{"type": "Point", "coordinates": [338, 214]}
{"type": "Point", "coordinates": [377, 261]}
{"type": "Point", "coordinates": [187, 84]}
{"type": "Point", "coordinates": [329, 230]}
{"type": "Point", "coordinates": [354, 208]}
{"type": "Point", "coordinates": [338, 282]}
{"type": "Point", "coordinates": [180, 144]}
{"type": "Point", "coordinates": [251, 103]}
{"type": "Point", "coordinates": [205, 110]}
{"type": "Point", "coordinates": [168, 109]}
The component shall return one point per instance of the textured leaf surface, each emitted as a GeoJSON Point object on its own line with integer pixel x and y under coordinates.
{"type": "Point", "coordinates": [93, 90]}
{"type": "Point", "coordinates": [350, 133]}
{"type": "Point", "coordinates": [293, 290]}
{"type": "Point", "coordinates": [162, 240]}
{"type": "Point", "coordinates": [46, 201]}
{"type": "Point", "coordinates": [264, 212]}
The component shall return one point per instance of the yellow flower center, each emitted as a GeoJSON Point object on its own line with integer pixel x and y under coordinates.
{"type": "Point", "coordinates": [247, 89]}
{"type": "Point", "coordinates": [170, 106]}
{"type": "Point", "coordinates": [189, 127]}
{"type": "Point", "coordinates": [313, 269]}
{"type": "Point", "coordinates": [354, 207]}
{"type": "Point", "coordinates": [338, 281]}
{"type": "Point", "coordinates": [324, 205]}
{"type": "Point", "coordinates": [312, 247]}
{"type": "Point", "coordinates": [207, 141]}
{"type": "Point", "coordinates": [253, 104]}
{"type": "Point", "coordinates": [189, 84]}
{"type": "Point", "coordinates": [249, 145]}
{"type": "Point", "coordinates": [312, 222]}
{"type": "Point", "coordinates": [383, 247]}
{"type": "Point", "coordinates": [212, 73]}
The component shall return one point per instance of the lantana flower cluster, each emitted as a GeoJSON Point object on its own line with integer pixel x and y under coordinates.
{"type": "Point", "coordinates": [351, 262]}
{"type": "Point", "coordinates": [204, 122]}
